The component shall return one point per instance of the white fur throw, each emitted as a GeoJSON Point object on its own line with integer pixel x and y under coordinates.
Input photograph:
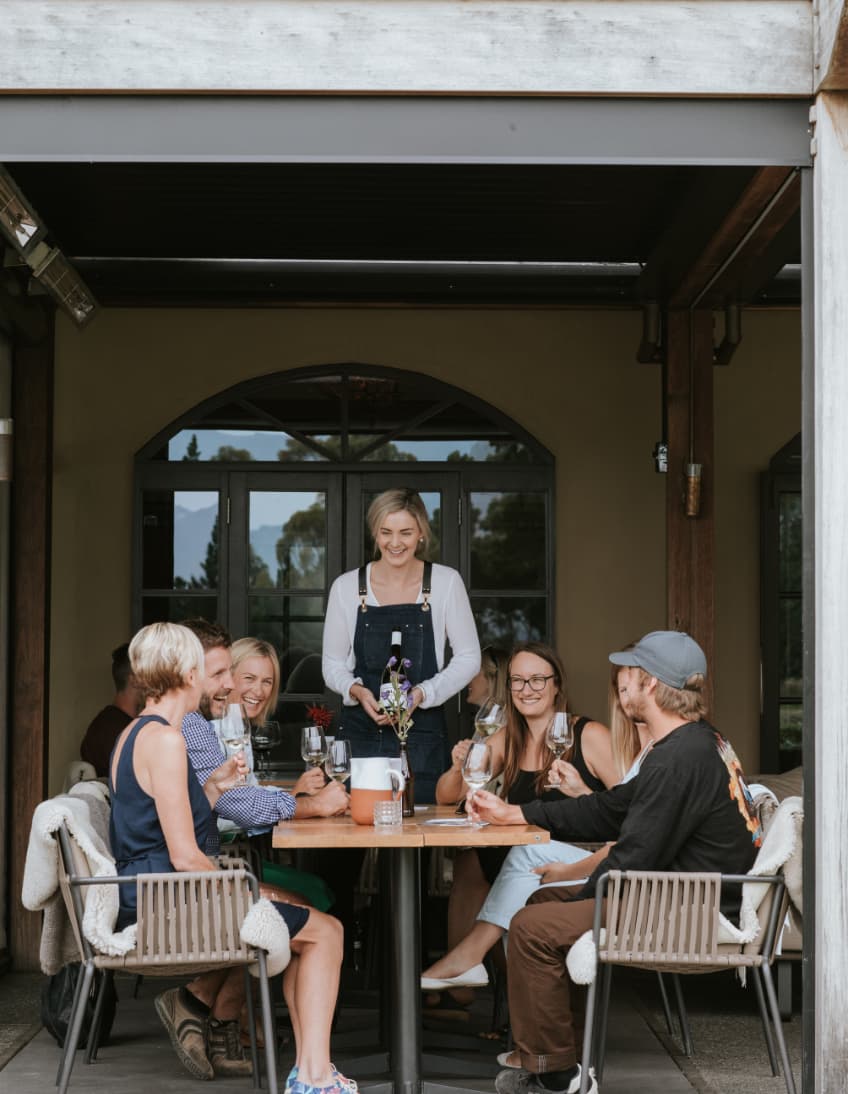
{"type": "Point", "coordinates": [781, 850]}
{"type": "Point", "coordinates": [85, 811]}
{"type": "Point", "coordinates": [265, 929]}
{"type": "Point", "coordinates": [582, 960]}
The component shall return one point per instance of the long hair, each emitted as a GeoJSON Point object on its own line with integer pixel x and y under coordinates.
{"type": "Point", "coordinates": [625, 742]}
{"type": "Point", "coordinates": [256, 647]}
{"type": "Point", "coordinates": [399, 501]}
{"type": "Point", "coordinates": [517, 730]}
{"type": "Point", "coordinates": [494, 664]}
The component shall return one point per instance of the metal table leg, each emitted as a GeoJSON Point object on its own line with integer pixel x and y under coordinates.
{"type": "Point", "coordinates": [405, 904]}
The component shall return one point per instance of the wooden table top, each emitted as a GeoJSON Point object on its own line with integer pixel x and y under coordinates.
{"type": "Point", "coordinates": [414, 832]}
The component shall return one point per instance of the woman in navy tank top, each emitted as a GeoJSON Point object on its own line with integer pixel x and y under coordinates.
{"type": "Point", "coordinates": [160, 814]}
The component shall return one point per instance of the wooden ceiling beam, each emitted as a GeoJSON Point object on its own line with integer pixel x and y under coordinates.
{"type": "Point", "coordinates": [763, 209]}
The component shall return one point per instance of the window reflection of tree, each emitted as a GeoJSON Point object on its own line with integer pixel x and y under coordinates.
{"type": "Point", "coordinates": [258, 575]}
{"type": "Point", "coordinates": [508, 542]}
{"type": "Point", "coordinates": [389, 452]}
{"type": "Point", "coordinates": [301, 549]}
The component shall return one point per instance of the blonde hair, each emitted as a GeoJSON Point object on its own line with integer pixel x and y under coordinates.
{"type": "Point", "coordinates": [494, 664]}
{"type": "Point", "coordinates": [399, 501]}
{"type": "Point", "coordinates": [625, 743]}
{"type": "Point", "coordinates": [162, 655]}
{"type": "Point", "coordinates": [256, 647]}
{"type": "Point", "coordinates": [689, 702]}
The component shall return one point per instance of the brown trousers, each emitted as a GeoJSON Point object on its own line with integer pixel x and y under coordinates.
{"type": "Point", "coordinates": [547, 1010]}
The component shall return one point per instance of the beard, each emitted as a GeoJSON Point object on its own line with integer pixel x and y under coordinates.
{"type": "Point", "coordinates": [210, 707]}
{"type": "Point", "coordinates": [634, 706]}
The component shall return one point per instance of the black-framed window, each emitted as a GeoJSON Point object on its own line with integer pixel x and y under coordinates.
{"type": "Point", "coordinates": [249, 506]}
{"type": "Point", "coordinates": [781, 603]}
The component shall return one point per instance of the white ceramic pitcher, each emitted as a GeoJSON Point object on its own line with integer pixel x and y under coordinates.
{"type": "Point", "coordinates": [373, 779]}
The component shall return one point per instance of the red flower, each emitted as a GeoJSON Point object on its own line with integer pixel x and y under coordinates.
{"type": "Point", "coordinates": [319, 715]}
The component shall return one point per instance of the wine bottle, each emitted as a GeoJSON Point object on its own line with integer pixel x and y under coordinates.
{"type": "Point", "coordinates": [408, 809]}
{"type": "Point", "coordinates": [397, 652]}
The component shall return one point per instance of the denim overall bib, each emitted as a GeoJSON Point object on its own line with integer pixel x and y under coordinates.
{"type": "Point", "coordinates": [372, 647]}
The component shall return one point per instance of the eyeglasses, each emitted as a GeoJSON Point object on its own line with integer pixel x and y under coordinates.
{"type": "Point", "coordinates": [537, 683]}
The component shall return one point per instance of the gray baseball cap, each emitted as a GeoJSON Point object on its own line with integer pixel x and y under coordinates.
{"type": "Point", "coordinates": [671, 656]}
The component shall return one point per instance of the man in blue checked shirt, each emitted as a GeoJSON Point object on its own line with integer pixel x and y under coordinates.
{"type": "Point", "coordinates": [202, 1018]}
{"type": "Point", "coordinates": [247, 806]}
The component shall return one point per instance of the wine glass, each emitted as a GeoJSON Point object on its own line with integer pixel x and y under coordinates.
{"type": "Point", "coordinates": [477, 770]}
{"type": "Point", "coordinates": [313, 746]}
{"type": "Point", "coordinates": [235, 733]}
{"type": "Point", "coordinates": [338, 761]}
{"type": "Point", "coordinates": [490, 717]}
{"type": "Point", "coordinates": [559, 739]}
{"type": "Point", "coordinates": [265, 737]}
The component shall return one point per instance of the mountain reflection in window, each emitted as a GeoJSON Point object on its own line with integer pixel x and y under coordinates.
{"type": "Point", "coordinates": [346, 418]}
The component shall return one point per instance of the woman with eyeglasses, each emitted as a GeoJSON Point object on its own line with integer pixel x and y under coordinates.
{"type": "Point", "coordinates": [536, 691]}
{"type": "Point", "coordinates": [400, 594]}
{"type": "Point", "coordinates": [554, 863]}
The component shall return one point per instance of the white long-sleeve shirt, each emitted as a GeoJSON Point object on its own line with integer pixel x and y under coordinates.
{"type": "Point", "coordinates": [452, 620]}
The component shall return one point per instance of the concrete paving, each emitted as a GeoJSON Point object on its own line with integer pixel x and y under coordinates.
{"type": "Point", "coordinates": [139, 1059]}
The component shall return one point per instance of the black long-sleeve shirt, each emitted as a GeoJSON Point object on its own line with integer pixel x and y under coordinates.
{"type": "Point", "coordinates": [687, 809]}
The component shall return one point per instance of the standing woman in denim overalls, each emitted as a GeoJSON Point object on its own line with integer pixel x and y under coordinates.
{"type": "Point", "coordinates": [428, 604]}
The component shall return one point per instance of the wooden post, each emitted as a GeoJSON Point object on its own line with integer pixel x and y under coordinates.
{"type": "Point", "coordinates": [826, 416]}
{"type": "Point", "coordinates": [31, 503]}
{"type": "Point", "coordinates": [690, 541]}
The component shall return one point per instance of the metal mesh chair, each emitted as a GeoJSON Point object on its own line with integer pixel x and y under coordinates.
{"type": "Point", "coordinates": [188, 923]}
{"type": "Point", "coordinates": [669, 922]}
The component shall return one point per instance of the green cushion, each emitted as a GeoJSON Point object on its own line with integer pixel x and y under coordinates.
{"type": "Point", "coordinates": [311, 888]}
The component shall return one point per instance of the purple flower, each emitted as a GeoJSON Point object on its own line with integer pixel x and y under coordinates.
{"type": "Point", "coordinates": [391, 662]}
{"type": "Point", "coordinates": [406, 662]}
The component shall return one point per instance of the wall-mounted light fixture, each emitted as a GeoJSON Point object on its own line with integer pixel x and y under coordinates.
{"type": "Point", "coordinates": [20, 223]}
{"type": "Point", "coordinates": [52, 270]}
{"type": "Point", "coordinates": [22, 227]}
{"type": "Point", "coordinates": [6, 431]}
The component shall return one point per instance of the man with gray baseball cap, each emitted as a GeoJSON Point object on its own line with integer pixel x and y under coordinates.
{"type": "Point", "coordinates": [687, 809]}
{"type": "Point", "coordinates": [672, 656]}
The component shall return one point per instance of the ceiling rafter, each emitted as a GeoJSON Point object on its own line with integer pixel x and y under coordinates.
{"type": "Point", "coordinates": [762, 210]}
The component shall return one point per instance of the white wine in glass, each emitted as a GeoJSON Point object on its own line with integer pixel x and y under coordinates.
{"type": "Point", "coordinates": [559, 739]}
{"type": "Point", "coordinates": [490, 717]}
{"type": "Point", "coordinates": [477, 770]}
{"type": "Point", "coordinates": [235, 732]}
{"type": "Point", "coordinates": [313, 746]}
{"type": "Point", "coordinates": [338, 761]}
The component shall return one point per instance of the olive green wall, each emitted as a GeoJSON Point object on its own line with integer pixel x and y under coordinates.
{"type": "Point", "coordinates": [757, 410]}
{"type": "Point", "coordinates": [567, 377]}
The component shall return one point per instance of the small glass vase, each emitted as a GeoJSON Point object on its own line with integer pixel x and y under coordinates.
{"type": "Point", "coordinates": [409, 784]}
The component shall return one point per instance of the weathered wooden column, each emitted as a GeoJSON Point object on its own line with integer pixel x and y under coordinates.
{"type": "Point", "coordinates": [826, 510]}
{"type": "Point", "coordinates": [690, 540]}
{"type": "Point", "coordinates": [31, 505]}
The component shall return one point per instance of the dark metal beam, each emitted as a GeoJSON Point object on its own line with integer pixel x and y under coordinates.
{"type": "Point", "coordinates": [393, 129]}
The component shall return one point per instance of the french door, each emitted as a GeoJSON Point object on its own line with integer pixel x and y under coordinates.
{"type": "Point", "coordinates": [259, 548]}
